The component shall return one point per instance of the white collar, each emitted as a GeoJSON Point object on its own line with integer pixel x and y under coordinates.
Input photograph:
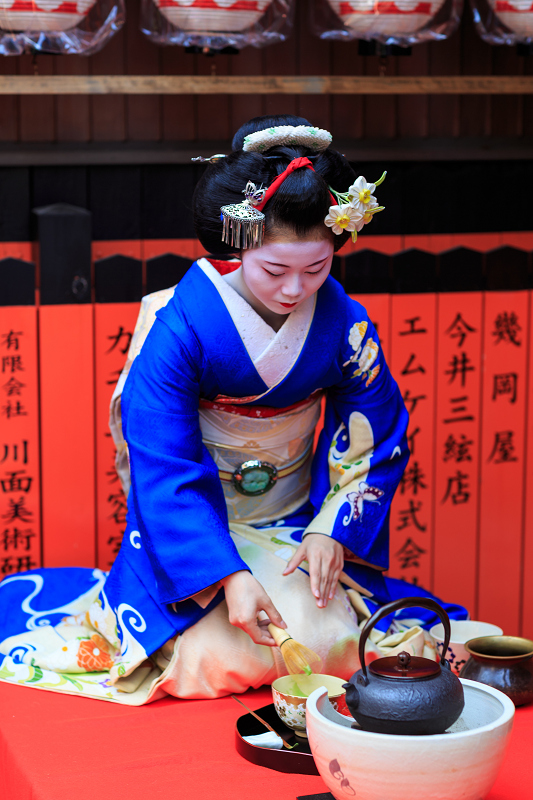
{"type": "Point", "coordinates": [272, 353]}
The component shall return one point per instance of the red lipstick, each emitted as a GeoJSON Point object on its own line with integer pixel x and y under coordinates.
{"type": "Point", "coordinates": [288, 305]}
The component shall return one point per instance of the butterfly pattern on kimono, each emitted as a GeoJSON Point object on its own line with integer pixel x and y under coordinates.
{"type": "Point", "coordinates": [356, 500]}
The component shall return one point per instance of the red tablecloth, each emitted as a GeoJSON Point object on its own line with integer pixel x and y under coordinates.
{"type": "Point", "coordinates": [58, 747]}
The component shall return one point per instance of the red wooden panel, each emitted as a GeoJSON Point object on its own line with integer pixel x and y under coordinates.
{"type": "Point", "coordinates": [67, 435]}
{"type": "Point", "coordinates": [431, 243]}
{"type": "Point", "coordinates": [419, 240]}
{"type": "Point", "coordinates": [20, 480]}
{"type": "Point", "coordinates": [527, 568]}
{"type": "Point", "coordinates": [381, 244]}
{"type": "Point", "coordinates": [188, 248]}
{"type": "Point", "coordinates": [477, 241]}
{"type": "Point", "coordinates": [379, 310]}
{"type": "Point", "coordinates": [113, 326]}
{"type": "Point", "coordinates": [123, 247]}
{"type": "Point", "coordinates": [457, 442]}
{"type": "Point", "coordinates": [439, 242]}
{"type": "Point", "coordinates": [506, 333]}
{"type": "Point", "coordinates": [521, 239]}
{"type": "Point", "coordinates": [21, 250]}
{"type": "Point", "coordinates": [412, 360]}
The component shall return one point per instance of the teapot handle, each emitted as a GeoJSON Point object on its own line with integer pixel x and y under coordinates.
{"type": "Point", "coordinates": [404, 602]}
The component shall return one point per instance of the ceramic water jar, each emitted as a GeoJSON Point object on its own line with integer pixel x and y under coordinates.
{"type": "Point", "coordinates": [504, 662]}
{"type": "Point", "coordinates": [461, 764]}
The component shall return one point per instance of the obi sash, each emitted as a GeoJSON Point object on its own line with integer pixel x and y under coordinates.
{"type": "Point", "coordinates": [283, 438]}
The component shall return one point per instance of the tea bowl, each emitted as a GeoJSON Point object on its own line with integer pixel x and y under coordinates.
{"type": "Point", "coordinates": [290, 693]}
{"type": "Point", "coordinates": [460, 764]}
{"type": "Point", "coordinates": [462, 630]}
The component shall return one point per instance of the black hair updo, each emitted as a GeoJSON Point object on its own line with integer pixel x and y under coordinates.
{"type": "Point", "coordinates": [302, 201]}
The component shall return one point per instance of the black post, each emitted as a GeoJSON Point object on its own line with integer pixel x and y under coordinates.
{"type": "Point", "coordinates": [64, 233]}
{"type": "Point", "coordinates": [414, 271]}
{"type": "Point", "coordinates": [17, 282]}
{"type": "Point", "coordinates": [118, 279]}
{"type": "Point", "coordinates": [165, 271]}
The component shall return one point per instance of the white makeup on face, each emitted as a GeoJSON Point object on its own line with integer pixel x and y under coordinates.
{"type": "Point", "coordinates": [277, 277]}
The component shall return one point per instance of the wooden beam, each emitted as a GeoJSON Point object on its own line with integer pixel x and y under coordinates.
{"type": "Point", "coordinates": [265, 84]}
{"type": "Point", "coordinates": [41, 154]}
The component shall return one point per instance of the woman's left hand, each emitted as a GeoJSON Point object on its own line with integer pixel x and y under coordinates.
{"type": "Point", "coordinates": [325, 557]}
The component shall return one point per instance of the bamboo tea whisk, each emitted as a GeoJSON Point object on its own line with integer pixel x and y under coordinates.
{"type": "Point", "coordinates": [297, 657]}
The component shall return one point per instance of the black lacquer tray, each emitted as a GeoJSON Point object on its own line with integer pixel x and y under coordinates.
{"type": "Point", "coordinates": [299, 760]}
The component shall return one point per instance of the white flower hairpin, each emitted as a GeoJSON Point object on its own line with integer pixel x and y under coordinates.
{"type": "Point", "coordinates": [355, 208]}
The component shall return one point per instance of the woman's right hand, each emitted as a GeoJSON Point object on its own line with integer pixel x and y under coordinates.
{"type": "Point", "coordinates": [246, 598]}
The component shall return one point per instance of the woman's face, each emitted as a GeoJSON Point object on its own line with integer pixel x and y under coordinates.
{"type": "Point", "coordinates": [284, 272]}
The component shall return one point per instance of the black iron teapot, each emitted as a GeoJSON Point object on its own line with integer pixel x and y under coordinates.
{"type": "Point", "coordinates": [405, 694]}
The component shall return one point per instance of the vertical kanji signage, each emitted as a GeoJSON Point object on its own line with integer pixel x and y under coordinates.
{"type": "Point", "coordinates": [460, 317]}
{"type": "Point", "coordinates": [413, 365]}
{"type": "Point", "coordinates": [20, 484]}
{"type": "Point", "coordinates": [506, 333]}
{"type": "Point", "coordinates": [526, 601]}
{"type": "Point", "coordinates": [118, 279]}
{"type": "Point", "coordinates": [114, 328]}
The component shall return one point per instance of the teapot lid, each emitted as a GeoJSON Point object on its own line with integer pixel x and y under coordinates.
{"type": "Point", "coordinates": [404, 666]}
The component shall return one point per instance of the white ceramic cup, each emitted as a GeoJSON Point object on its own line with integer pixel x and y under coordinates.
{"type": "Point", "coordinates": [290, 693]}
{"type": "Point", "coordinates": [461, 631]}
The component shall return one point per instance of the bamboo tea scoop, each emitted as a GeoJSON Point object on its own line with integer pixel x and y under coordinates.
{"type": "Point", "coordinates": [267, 726]}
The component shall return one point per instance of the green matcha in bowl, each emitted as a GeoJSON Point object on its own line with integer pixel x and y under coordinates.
{"type": "Point", "coordinates": [290, 693]}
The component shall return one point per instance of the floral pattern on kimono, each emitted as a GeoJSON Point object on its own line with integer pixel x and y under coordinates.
{"type": "Point", "coordinates": [367, 450]}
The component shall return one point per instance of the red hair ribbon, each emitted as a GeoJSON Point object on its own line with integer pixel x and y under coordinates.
{"type": "Point", "coordinates": [296, 163]}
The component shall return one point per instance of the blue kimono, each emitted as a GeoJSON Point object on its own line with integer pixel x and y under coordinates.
{"type": "Point", "coordinates": [199, 406]}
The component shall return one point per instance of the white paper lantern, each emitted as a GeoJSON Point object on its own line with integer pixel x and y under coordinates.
{"type": "Point", "coordinates": [516, 15]}
{"type": "Point", "coordinates": [43, 15]}
{"type": "Point", "coordinates": [386, 17]}
{"type": "Point", "coordinates": [212, 16]}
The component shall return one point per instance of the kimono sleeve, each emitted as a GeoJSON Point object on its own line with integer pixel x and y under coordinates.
{"type": "Point", "coordinates": [175, 487]}
{"type": "Point", "coordinates": [362, 450]}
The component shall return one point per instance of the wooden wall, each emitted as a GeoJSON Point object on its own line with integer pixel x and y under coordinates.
{"type": "Point", "coordinates": [48, 119]}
